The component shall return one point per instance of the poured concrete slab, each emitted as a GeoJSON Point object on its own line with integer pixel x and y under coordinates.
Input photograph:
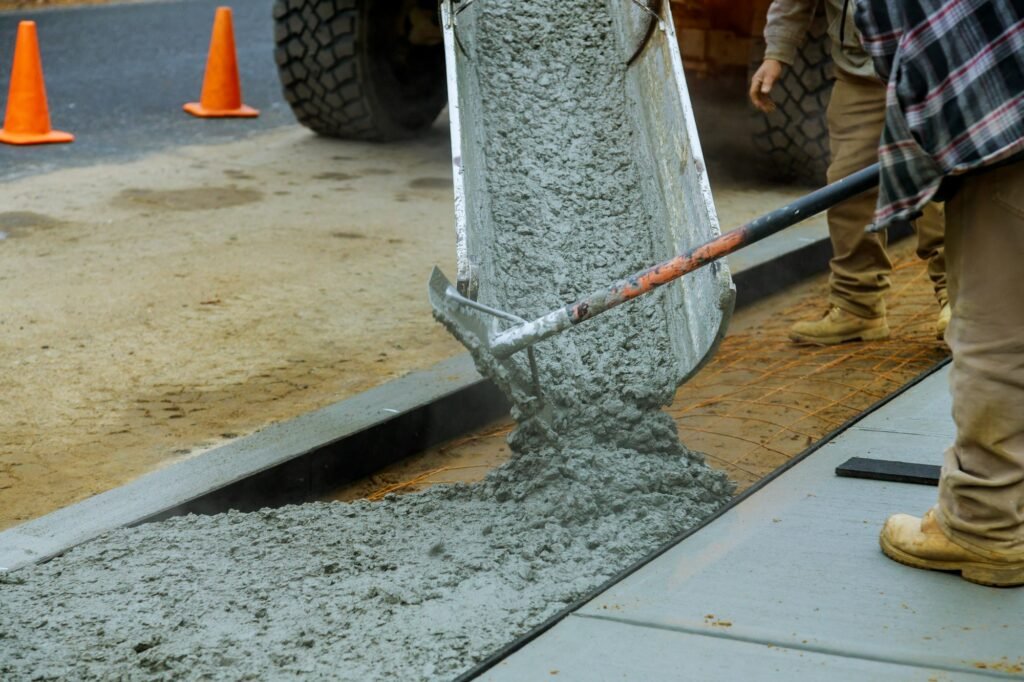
{"type": "Point", "coordinates": [594, 650]}
{"type": "Point", "coordinates": [796, 568]}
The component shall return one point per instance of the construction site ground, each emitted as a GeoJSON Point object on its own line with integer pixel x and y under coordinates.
{"type": "Point", "coordinates": [170, 291]}
{"type": "Point", "coordinates": [161, 307]}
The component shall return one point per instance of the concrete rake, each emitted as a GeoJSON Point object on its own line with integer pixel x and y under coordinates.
{"type": "Point", "coordinates": [478, 326]}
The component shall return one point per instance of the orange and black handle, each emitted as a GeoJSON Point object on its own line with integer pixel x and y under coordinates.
{"type": "Point", "coordinates": [519, 337]}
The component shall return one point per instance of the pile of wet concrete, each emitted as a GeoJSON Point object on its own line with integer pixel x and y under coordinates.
{"type": "Point", "coordinates": [422, 586]}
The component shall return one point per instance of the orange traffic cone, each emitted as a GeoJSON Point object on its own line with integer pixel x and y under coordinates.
{"type": "Point", "coordinates": [222, 88]}
{"type": "Point", "coordinates": [28, 117]}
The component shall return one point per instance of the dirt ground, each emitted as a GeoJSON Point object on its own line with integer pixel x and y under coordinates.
{"type": "Point", "coordinates": [157, 308]}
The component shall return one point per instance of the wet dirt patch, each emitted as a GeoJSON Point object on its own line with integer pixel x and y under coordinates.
{"type": "Point", "coordinates": [191, 199]}
{"type": "Point", "coordinates": [376, 171]}
{"type": "Point", "coordinates": [348, 235]}
{"type": "Point", "coordinates": [430, 183]}
{"type": "Point", "coordinates": [17, 223]}
{"type": "Point", "coordinates": [236, 174]}
{"type": "Point", "coordinates": [333, 175]}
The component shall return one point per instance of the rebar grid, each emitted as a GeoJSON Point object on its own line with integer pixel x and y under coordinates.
{"type": "Point", "coordinates": [763, 399]}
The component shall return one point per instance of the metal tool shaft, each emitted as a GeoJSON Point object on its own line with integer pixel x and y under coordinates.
{"type": "Point", "coordinates": [516, 338]}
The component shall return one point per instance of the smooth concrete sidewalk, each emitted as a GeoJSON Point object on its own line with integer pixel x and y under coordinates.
{"type": "Point", "coordinates": [790, 584]}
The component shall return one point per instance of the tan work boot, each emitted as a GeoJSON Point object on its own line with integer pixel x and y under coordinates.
{"type": "Point", "coordinates": [943, 321]}
{"type": "Point", "coordinates": [922, 544]}
{"type": "Point", "coordinates": [839, 326]}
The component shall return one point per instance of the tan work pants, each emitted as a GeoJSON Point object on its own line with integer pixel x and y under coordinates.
{"type": "Point", "coordinates": [860, 265]}
{"type": "Point", "coordinates": [981, 493]}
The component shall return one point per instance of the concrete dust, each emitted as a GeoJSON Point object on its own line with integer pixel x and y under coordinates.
{"type": "Point", "coordinates": [422, 586]}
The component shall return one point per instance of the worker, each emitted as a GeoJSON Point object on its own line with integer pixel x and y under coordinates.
{"type": "Point", "coordinates": [860, 266]}
{"type": "Point", "coordinates": [954, 125]}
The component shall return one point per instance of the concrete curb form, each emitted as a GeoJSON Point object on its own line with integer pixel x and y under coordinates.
{"type": "Point", "coordinates": [299, 460]}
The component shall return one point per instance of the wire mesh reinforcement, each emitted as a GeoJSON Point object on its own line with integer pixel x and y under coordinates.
{"type": "Point", "coordinates": [762, 399]}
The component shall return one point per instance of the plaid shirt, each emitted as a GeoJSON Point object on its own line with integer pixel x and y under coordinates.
{"type": "Point", "coordinates": [955, 100]}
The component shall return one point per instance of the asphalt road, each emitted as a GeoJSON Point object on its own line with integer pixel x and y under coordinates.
{"type": "Point", "coordinates": [117, 75]}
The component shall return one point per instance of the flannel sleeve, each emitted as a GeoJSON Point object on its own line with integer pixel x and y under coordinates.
{"type": "Point", "coordinates": [786, 28]}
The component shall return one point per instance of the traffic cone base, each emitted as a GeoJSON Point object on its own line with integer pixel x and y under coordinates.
{"type": "Point", "coordinates": [197, 109]}
{"type": "Point", "coordinates": [52, 137]}
{"type": "Point", "coordinates": [27, 120]}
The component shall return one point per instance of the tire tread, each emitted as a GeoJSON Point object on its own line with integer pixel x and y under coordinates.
{"type": "Point", "coordinates": [317, 63]}
{"type": "Point", "coordinates": [793, 140]}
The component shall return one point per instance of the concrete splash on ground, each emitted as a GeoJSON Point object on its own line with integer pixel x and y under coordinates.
{"type": "Point", "coordinates": [423, 586]}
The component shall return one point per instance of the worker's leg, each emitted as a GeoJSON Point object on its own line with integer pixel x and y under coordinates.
{"type": "Point", "coordinates": [931, 230]}
{"type": "Point", "coordinates": [981, 497]}
{"type": "Point", "coordinates": [978, 526]}
{"type": "Point", "coordinates": [860, 266]}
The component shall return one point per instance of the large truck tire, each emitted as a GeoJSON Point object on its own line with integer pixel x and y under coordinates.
{"type": "Point", "coordinates": [793, 140]}
{"type": "Point", "coordinates": [350, 69]}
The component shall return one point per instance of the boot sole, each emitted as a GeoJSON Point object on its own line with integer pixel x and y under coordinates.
{"type": "Point", "coordinates": [878, 334]}
{"type": "Point", "coordinates": [1010, 575]}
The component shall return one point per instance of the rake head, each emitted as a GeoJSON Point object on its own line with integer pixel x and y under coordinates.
{"type": "Point", "coordinates": [475, 325]}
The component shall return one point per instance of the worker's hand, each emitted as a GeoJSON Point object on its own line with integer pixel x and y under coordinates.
{"type": "Point", "coordinates": [762, 82]}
